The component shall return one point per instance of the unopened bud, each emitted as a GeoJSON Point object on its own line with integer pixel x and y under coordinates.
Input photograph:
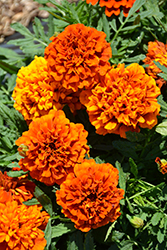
{"type": "Point", "coordinates": [22, 149]}
{"type": "Point", "coordinates": [136, 222]}
{"type": "Point", "coordinates": [162, 165]}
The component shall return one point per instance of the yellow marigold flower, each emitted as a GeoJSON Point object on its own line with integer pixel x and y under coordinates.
{"type": "Point", "coordinates": [157, 51]}
{"type": "Point", "coordinates": [89, 196]}
{"type": "Point", "coordinates": [21, 226]}
{"type": "Point", "coordinates": [21, 188]}
{"type": "Point", "coordinates": [55, 145]}
{"type": "Point", "coordinates": [114, 6]}
{"type": "Point", "coordinates": [126, 100]}
{"type": "Point", "coordinates": [162, 165]}
{"type": "Point", "coordinates": [34, 94]}
{"type": "Point", "coordinates": [76, 56]}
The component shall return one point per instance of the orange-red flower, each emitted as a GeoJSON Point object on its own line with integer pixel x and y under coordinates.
{"type": "Point", "coordinates": [157, 51]}
{"type": "Point", "coordinates": [55, 145]}
{"type": "Point", "coordinates": [21, 188]}
{"type": "Point", "coordinates": [162, 165]}
{"type": "Point", "coordinates": [89, 196]}
{"type": "Point", "coordinates": [114, 6]}
{"type": "Point", "coordinates": [126, 100]}
{"type": "Point", "coordinates": [21, 226]}
{"type": "Point", "coordinates": [76, 56]}
{"type": "Point", "coordinates": [34, 94]}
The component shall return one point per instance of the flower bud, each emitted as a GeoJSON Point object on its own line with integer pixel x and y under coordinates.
{"type": "Point", "coordinates": [136, 222]}
{"type": "Point", "coordinates": [162, 165]}
{"type": "Point", "coordinates": [22, 149]}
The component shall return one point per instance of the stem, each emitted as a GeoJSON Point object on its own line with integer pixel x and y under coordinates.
{"type": "Point", "coordinates": [36, 39]}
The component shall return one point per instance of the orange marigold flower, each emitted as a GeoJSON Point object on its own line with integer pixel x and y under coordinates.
{"type": "Point", "coordinates": [76, 56]}
{"type": "Point", "coordinates": [34, 94]}
{"type": "Point", "coordinates": [89, 196]}
{"type": "Point", "coordinates": [55, 145]}
{"type": "Point", "coordinates": [21, 226]}
{"type": "Point", "coordinates": [21, 188]}
{"type": "Point", "coordinates": [114, 6]}
{"type": "Point", "coordinates": [126, 100]}
{"type": "Point", "coordinates": [5, 196]}
{"type": "Point", "coordinates": [157, 51]}
{"type": "Point", "coordinates": [162, 165]}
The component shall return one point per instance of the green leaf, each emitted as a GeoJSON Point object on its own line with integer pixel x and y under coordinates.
{"type": "Point", "coordinates": [76, 241]}
{"type": "Point", "coordinates": [16, 173]}
{"type": "Point", "coordinates": [44, 200]}
{"type": "Point", "coordinates": [133, 167]}
{"type": "Point", "coordinates": [134, 136]}
{"type": "Point", "coordinates": [61, 229]}
{"type": "Point", "coordinates": [163, 104]}
{"type": "Point", "coordinates": [126, 148]}
{"type": "Point", "coordinates": [160, 236]}
{"type": "Point", "coordinates": [162, 128]}
{"type": "Point", "coordinates": [106, 27]}
{"type": "Point", "coordinates": [31, 202]}
{"type": "Point", "coordinates": [40, 28]}
{"type": "Point", "coordinates": [11, 69]}
{"type": "Point", "coordinates": [48, 233]}
{"type": "Point", "coordinates": [89, 243]}
{"type": "Point", "coordinates": [110, 230]}
{"type": "Point", "coordinates": [156, 218]}
{"type": "Point", "coordinates": [21, 29]}
{"type": "Point", "coordinates": [161, 67]}
{"type": "Point", "coordinates": [122, 178]}
{"type": "Point", "coordinates": [113, 24]}
{"type": "Point", "coordinates": [116, 235]}
{"type": "Point", "coordinates": [136, 6]}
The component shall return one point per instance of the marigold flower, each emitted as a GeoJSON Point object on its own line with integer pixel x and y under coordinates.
{"type": "Point", "coordinates": [157, 51]}
{"type": "Point", "coordinates": [55, 145]}
{"type": "Point", "coordinates": [21, 188]}
{"type": "Point", "coordinates": [162, 165]}
{"type": "Point", "coordinates": [76, 56]}
{"type": "Point", "coordinates": [21, 226]}
{"type": "Point", "coordinates": [34, 94]}
{"type": "Point", "coordinates": [89, 196]}
{"type": "Point", "coordinates": [5, 196]}
{"type": "Point", "coordinates": [126, 100]}
{"type": "Point", "coordinates": [114, 6]}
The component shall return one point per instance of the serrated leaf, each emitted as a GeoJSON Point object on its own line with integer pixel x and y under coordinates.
{"type": "Point", "coordinates": [16, 173]}
{"type": "Point", "coordinates": [127, 245]}
{"type": "Point", "coordinates": [40, 28]}
{"type": "Point", "coordinates": [116, 235]}
{"type": "Point", "coordinates": [113, 24]}
{"type": "Point", "coordinates": [160, 236]}
{"type": "Point", "coordinates": [61, 229]}
{"type": "Point", "coordinates": [11, 69]}
{"type": "Point", "coordinates": [98, 160]}
{"type": "Point", "coordinates": [122, 179]}
{"type": "Point", "coordinates": [89, 243]}
{"type": "Point", "coordinates": [48, 233]}
{"type": "Point", "coordinates": [31, 202]}
{"type": "Point", "coordinates": [162, 128]}
{"type": "Point", "coordinates": [161, 67]}
{"type": "Point", "coordinates": [76, 241]}
{"type": "Point", "coordinates": [136, 6]}
{"type": "Point", "coordinates": [156, 218]}
{"type": "Point", "coordinates": [106, 27]}
{"type": "Point", "coordinates": [134, 136]}
{"type": "Point", "coordinates": [125, 148]}
{"type": "Point", "coordinates": [133, 167]}
{"type": "Point", "coordinates": [21, 29]}
{"type": "Point", "coordinates": [110, 230]}
{"type": "Point", "coordinates": [44, 200]}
